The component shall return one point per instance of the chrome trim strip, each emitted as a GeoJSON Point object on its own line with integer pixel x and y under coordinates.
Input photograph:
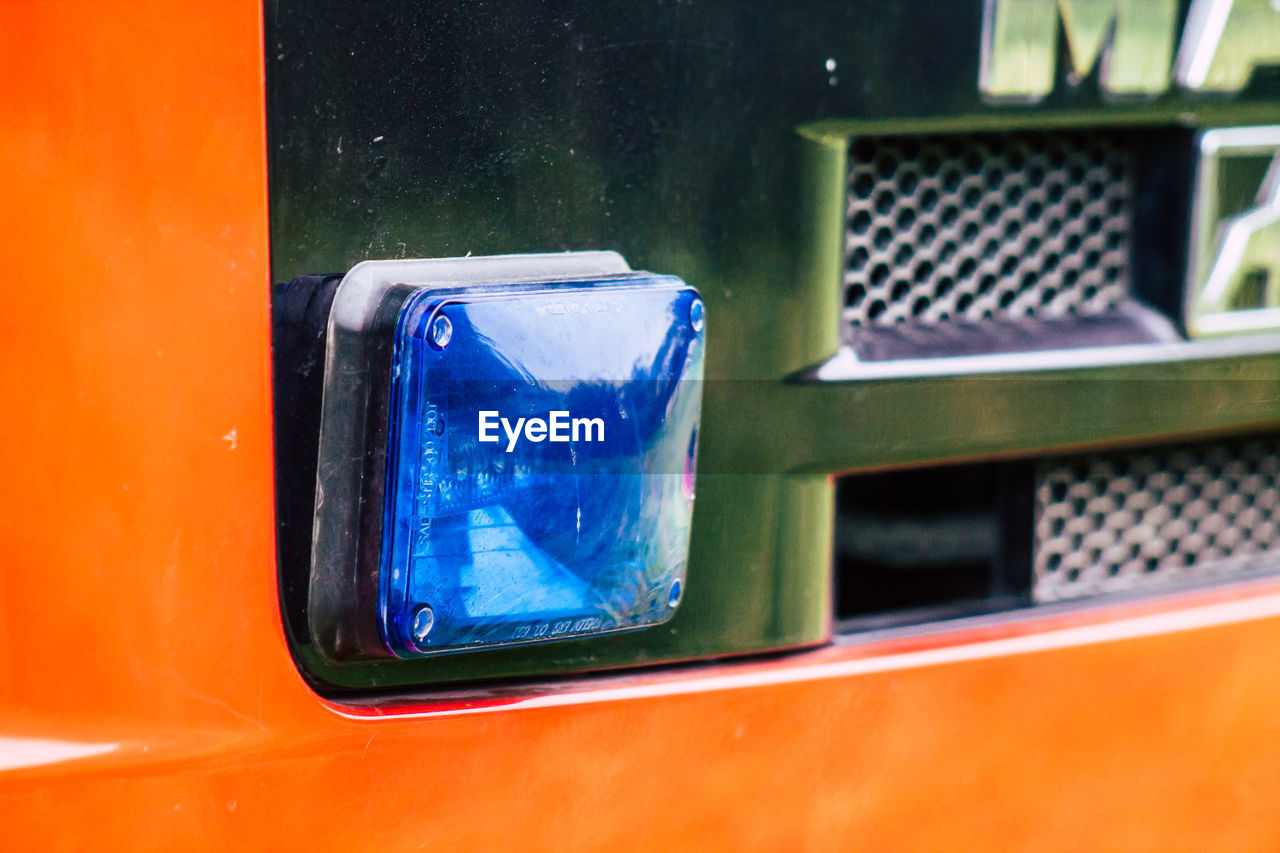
{"type": "Point", "coordinates": [845, 367]}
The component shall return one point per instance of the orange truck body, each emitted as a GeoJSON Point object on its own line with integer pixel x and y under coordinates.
{"type": "Point", "coordinates": [148, 697]}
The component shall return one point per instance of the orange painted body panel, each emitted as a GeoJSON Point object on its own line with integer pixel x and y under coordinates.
{"type": "Point", "coordinates": [147, 695]}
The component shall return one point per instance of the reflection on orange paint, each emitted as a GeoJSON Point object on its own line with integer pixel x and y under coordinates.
{"type": "Point", "coordinates": [138, 598]}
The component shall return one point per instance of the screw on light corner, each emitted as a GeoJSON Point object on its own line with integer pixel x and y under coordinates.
{"type": "Point", "coordinates": [697, 315]}
{"type": "Point", "coordinates": [675, 594]}
{"type": "Point", "coordinates": [421, 623]}
{"type": "Point", "coordinates": [441, 332]}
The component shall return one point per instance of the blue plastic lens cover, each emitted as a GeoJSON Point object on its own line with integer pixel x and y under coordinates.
{"type": "Point", "coordinates": [540, 462]}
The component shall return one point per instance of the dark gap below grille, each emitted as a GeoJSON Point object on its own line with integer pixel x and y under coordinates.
{"type": "Point", "coordinates": [1128, 323]}
{"type": "Point", "coordinates": [931, 543]}
{"type": "Point", "coordinates": [933, 537]}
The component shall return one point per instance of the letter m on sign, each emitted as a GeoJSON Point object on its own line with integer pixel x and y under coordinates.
{"type": "Point", "coordinates": [1130, 42]}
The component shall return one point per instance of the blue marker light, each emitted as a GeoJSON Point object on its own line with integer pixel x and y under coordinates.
{"type": "Point", "coordinates": [536, 471]}
{"type": "Point", "coordinates": [539, 460]}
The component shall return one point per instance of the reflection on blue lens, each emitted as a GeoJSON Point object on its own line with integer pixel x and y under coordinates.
{"type": "Point", "coordinates": [540, 462]}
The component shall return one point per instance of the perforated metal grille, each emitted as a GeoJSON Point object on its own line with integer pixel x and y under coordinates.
{"type": "Point", "coordinates": [1119, 522]}
{"type": "Point", "coordinates": [972, 227]}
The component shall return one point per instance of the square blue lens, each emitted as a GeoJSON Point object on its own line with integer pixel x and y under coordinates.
{"type": "Point", "coordinates": [540, 462]}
